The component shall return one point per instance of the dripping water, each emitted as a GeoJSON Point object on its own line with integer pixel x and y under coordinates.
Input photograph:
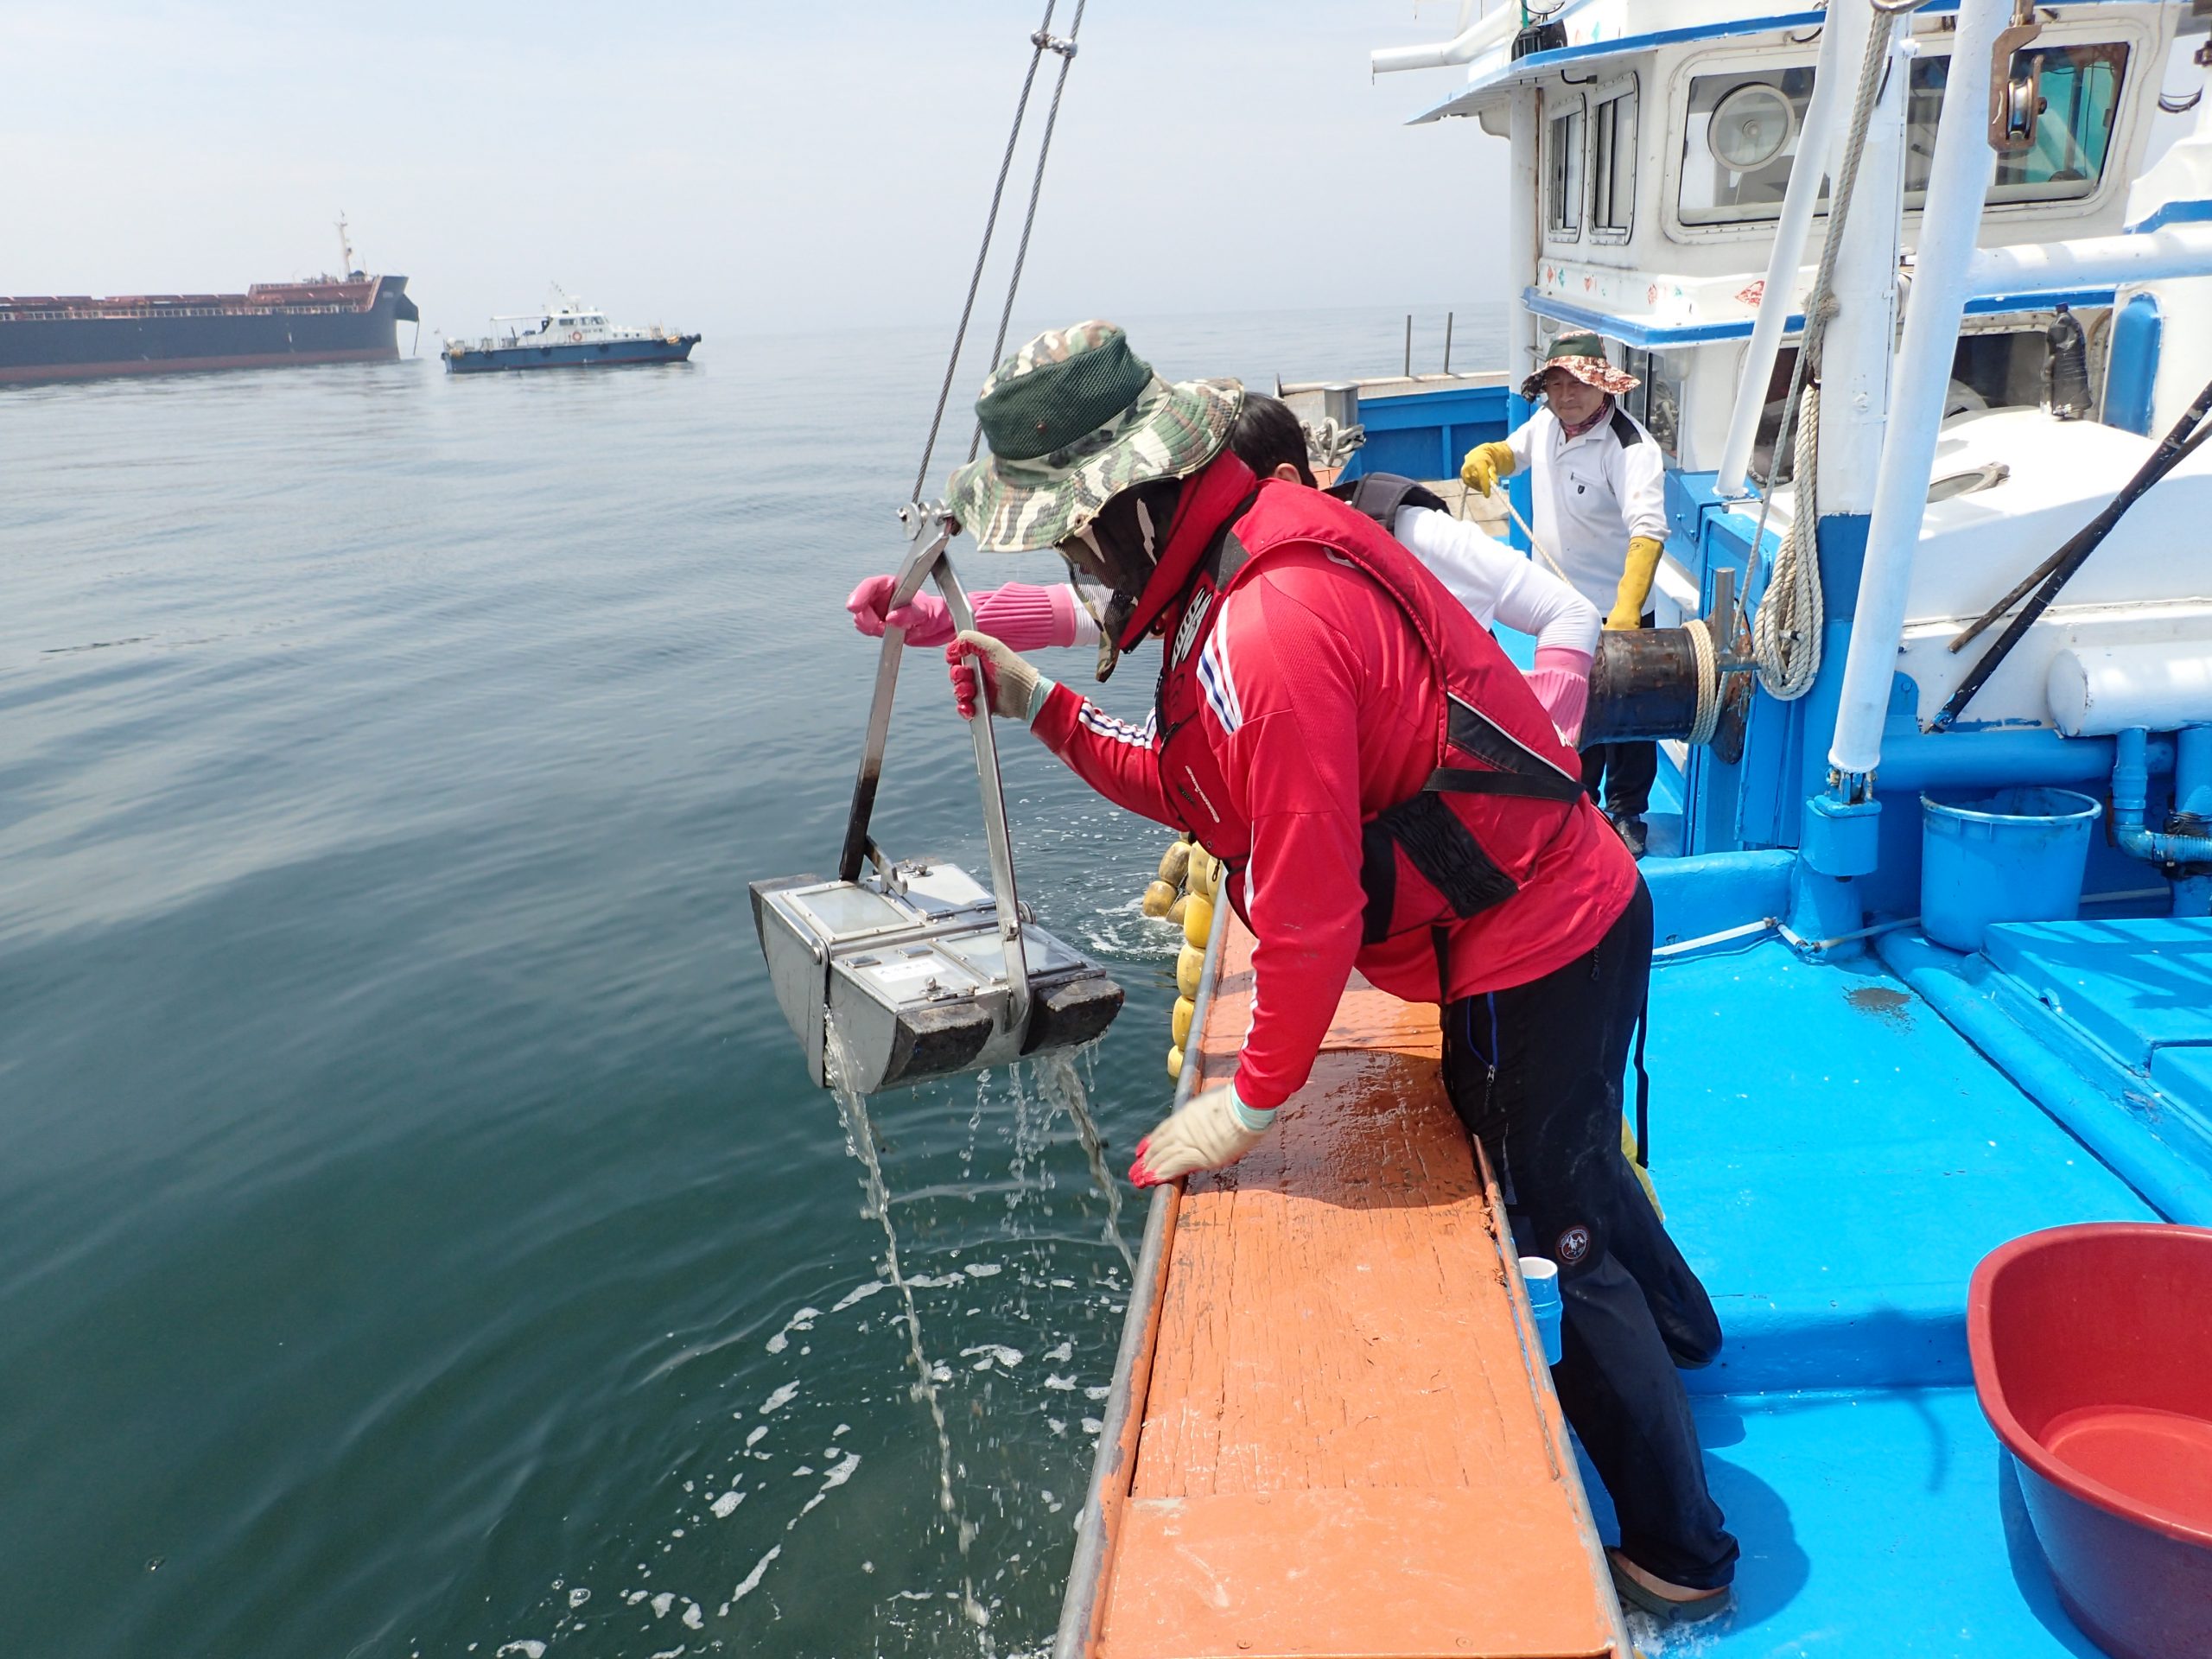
{"type": "Point", "coordinates": [1060, 1084]}
{"type": "Point", "coordinates": [860, 1141]}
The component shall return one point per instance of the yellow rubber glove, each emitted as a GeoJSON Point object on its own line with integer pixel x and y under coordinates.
{"type": "Point", "coordinates": [1636, 584]}
{"type": "Point", "coordinates": [1486, 464]}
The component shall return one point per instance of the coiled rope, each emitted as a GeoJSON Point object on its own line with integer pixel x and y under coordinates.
{"type": "Point", "coordinates": [1786, 633]}
{"type": "Point", "coordinates": [1708, 718]}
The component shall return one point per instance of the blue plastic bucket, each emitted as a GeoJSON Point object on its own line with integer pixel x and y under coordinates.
{"type": "Point", "coordinates": [2017, 855]}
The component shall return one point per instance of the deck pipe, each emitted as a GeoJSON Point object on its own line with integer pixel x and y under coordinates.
{"type": "Point", "coordinates": [1470, 43]}
{"type": "Point", "coordinates": [1815, 138]}
{"type": "Point", "coordinates": [2131, 789]}
{"type": "Point", "coordinates": [2171, 1183]}
{"type": "Point", "coordinates": [1958, 186]}
{"type": "Point", "coordinates": [1996, 758]}
{"type": "Point", "coordinates": [2092, 262]}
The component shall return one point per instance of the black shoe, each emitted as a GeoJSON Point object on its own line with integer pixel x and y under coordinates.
{"type": "Point", "coordinates": [1674, 1604]}
{"type": "Point", "coordinates": [1633, 833]}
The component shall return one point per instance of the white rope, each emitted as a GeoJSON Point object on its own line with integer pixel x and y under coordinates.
{"type": "Point", "coordinates": [1786, 635]}
{"type": "Point", "coordinates": [1542, 552]}
{"type": "Point", "coordinates": [1331, 443]}
{"type": "Point", "coordinates": [1702, 724]}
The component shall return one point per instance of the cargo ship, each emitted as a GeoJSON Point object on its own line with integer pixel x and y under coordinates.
{"type": "Point", "coordinates": [352, 318]}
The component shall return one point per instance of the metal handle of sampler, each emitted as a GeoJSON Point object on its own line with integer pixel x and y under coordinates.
{"type": "Point", "coordinates": [994, 830]}
{"type": "Point", "coordinates": [932, 530]}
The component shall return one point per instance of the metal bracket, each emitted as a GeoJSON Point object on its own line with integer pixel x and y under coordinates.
{"type": "Point", "coordinates": [2015, 101]}
{"type": "Point", "coordinates": [1732, 648]}
{"type": "Point", "coordinates": [930, 527]}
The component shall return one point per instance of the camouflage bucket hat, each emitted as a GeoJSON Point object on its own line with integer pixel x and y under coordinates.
{"type": "Point", "coordinates": [1582, 356]}
{"type": "Point", "coordinates": [1072, 418]}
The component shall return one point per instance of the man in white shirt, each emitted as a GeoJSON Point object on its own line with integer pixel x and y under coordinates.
{"type": "Point", "coordinates": [1597, 479]}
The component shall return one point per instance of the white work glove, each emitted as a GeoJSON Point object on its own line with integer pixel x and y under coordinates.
{"type": "Point", "coordinates": [1014, 690]}
{"type": "Point", "coordinates": [1213, 1128]}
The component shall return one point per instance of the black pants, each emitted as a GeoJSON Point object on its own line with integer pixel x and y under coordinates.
{"type": "Point", "coordinates": [1536, 1074]}
{"type": "Point", "coordinates": [1627, 770]}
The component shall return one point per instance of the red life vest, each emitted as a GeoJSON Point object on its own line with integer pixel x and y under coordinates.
{"type": "Point", "coordinates": [1504, 784]}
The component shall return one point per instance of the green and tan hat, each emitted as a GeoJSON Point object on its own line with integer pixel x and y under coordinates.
{"type": "Point", "coordinates": [1582, 356]}
{"type": "Point", "coordinates": [1073, 417]}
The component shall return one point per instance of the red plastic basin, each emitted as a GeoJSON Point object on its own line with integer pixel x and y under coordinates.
{"type": "Point", "coordinates": [2092, 1354]}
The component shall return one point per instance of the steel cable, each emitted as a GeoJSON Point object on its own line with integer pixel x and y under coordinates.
{"type": "Point", "coordinates": [1037, 43]}
{"type": "Point", "coordinates": [1067, 49]}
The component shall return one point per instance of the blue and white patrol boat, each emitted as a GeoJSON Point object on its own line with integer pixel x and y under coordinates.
{"type": "Point", "coordinates": [1932, 989]}
{"type": "Point", "coordinates": [569, 334]}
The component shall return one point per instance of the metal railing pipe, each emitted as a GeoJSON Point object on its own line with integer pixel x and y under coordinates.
{"type": "Point", "coordinates": [1470, 43]}
{"type": "Point", "coordinates": [1958, 184]}
{"type": "Point", "coordinates": [2092, 262]}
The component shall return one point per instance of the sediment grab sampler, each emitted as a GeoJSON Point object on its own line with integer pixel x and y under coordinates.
{"type": "Point", "coordinates": [922, 969]}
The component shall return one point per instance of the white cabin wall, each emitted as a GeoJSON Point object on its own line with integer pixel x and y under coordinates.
{"type": "Point", "coordinates": [2183, 173]}
{"type": "Point", "coordinates": [1667, 274]}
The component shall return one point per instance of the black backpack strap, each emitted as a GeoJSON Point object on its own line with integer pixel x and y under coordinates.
{"type": "Point", "coordinates": [1464, 780]}
{"type": "Point", "coordinates": [1517, 770]}
{"type": "Point", "coordinates": [1383, 496]}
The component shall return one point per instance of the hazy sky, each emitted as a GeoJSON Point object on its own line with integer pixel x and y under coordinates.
{"type": "Point", "coordinates": [739, 167]}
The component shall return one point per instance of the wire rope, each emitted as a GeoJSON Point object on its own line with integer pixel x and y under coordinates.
{"type": "Point", "coordinates": [1066, 48]}
{"type": "Point", "coordinates": [1037, 43]}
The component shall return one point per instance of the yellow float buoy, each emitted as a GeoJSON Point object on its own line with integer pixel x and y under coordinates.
{"type": "Point", "coordinates": [1157, 899]}
{"type": "Point", "coordinates": [1174, 1064]}
{"type": "Point", "coordinates": [1179, 909]}
{"type": "Point", "coordinates": [1175, 863]}
{"type": "Point", "coordinates": [1179, 1023]}
{"type": "Point", "coordinates": [1188, 966]}
{"type": "Point", "coordinates": [1197, 920]}
{"type": "Point", "coordinates": [1200, 873]}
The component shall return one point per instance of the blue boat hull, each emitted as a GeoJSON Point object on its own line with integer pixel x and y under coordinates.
{"type": "Point", "coordinates": [603, 354]}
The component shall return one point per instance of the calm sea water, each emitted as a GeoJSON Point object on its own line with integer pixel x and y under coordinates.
{"type": "Point", "coordinates": [418, 1234]}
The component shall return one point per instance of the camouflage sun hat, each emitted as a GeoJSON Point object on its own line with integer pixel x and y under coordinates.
{"type": "Point", "coordinates": [1073, 417]}
{"type": "Point", "coordinates": [1582, 356]}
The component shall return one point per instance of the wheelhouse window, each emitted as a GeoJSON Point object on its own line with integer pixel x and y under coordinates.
{"type": "Point", "coordinates": [1563, 173]}
{"type": "Point", "coordinates": [1742, 134]}
{"type": "Point", "coordinates": [1612, 163]}
{"type": "Point", "coordinates": [1657, 400]}
{"type": "Point", "coordinates": [1739, 142]}
{"type": "Point", "coordinates": [2080, 100]}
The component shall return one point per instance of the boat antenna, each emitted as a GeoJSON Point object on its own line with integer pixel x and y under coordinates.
{"type": "Point", "coordinates": [345, 250]}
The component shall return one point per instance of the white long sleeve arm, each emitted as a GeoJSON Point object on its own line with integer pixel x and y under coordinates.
{"type": "Point", "coordinates": [1497, 584]}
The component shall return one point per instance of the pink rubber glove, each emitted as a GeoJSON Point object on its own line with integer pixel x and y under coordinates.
{"type": "Point", "coordinates": [1018, 616]}
{"type": "Point", "coordinates": [1561, 680]}
{"type": "Point", "coordinates": [927, 619]}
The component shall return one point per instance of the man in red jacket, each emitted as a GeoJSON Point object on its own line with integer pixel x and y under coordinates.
{"type": "Point", "coordinates": [1387, 793]}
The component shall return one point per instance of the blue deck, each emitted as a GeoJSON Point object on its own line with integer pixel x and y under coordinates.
{"type": "Point", "coordinates": [1834, 1183]}
{"type": "Point", "coordinates": [1880, 1525]}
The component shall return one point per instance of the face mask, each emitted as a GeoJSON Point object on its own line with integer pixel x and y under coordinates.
{"type": "Point", "coordinates": [1113, 557]}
